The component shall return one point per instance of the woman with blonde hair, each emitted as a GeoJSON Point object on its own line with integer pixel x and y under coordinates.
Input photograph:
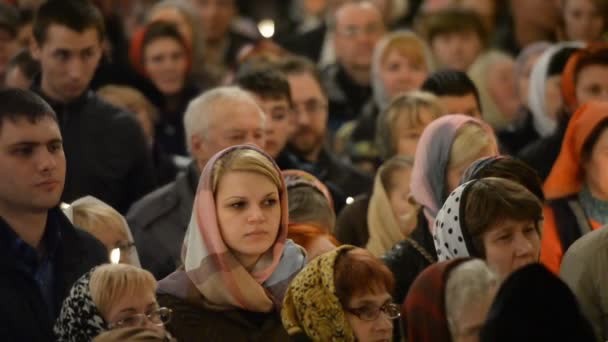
{"type": "Point", "coordinates": [107, 225]}
{"type": "Point", "coordinates": [237, 260]}
{"type": "Point", "coordinates": [108, 297]}
{"type": "Point", "coordinates": [400, 63]}
{"type": "Point", "coordinates": [446, 149]}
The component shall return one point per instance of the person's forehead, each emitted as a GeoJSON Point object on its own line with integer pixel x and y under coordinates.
{"type": "Point", "coordinates": [271, 102]}
{"type": "Point", "coordinates": [304, 86]}
{"type": "Point", "coordinates": [22, 129]}
{"type": "Point", "coordinates": [357, 13]}
{"type": "Point", "coordinates": [61, 36]}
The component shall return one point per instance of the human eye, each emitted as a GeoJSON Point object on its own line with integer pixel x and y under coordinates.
{"type": "Point", "coordinates": [24, 151]}
{"type": "Point", "coordinates": [130, 321]}
{"type": "Point", "coordinates": [55, 147]}
{"type": "Point", "coordinates": [88, 53]}
{"type": "Point", "coordinates": [62, 55]}
{"type": "Point", "coordinates": [238, 205]}
{"type": "Point", "coordinates": [368, 312]}
{"type": "Point", "coordinates": [270, 202]}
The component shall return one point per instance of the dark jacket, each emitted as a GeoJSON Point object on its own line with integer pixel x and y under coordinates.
{"type": "Point", "coordinates": [308, 44]}
{"type": "Point", "coordinates": [191, 322]}
{"type": "Point", "coordinates": [541, 154]}
{"type": "Point", "coordinates": [407, 260]}
{"type": "Point", "coordinates": [24, 313]}
{"type": "Point", "coordinates": [330, 170]}
{"type": "Point", "coordinates": [105, 151]}
{"type": "Point", "coordinates": [159, 222]}
{"type": "Point", "coordinates": [351, 225]}
{"type": "Point", "coordinates": [519, 135]}
{"type": "Point", "coordinates": [346, 98]}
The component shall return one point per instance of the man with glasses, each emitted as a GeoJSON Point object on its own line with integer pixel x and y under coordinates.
{"type": "Point", "coordinates": [41, 253]}
{"type": "Point", "coordinates": [306, 145]}
{"type": "Point", "coordinates": [356, 28]}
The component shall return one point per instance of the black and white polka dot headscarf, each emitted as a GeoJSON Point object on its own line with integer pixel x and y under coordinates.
{"type": "Point", "coordinates": [450, 235]}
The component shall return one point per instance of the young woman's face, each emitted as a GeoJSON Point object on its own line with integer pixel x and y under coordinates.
{"type": "Point", "coordinates": [249, 214]}
{"type": "Point", "coordinates": [510, 245]}
{"type": "Point", "coordinates": [398, 196]}
{"type": "Point", "coordinates": [401, 74]}
{"type": "Point", "coordinates": [128, 306]}
{"type": "Point", "coordinates": [406, 137]}
{"type": "Point", "coordinates": [592, 83]}
{"type": "Point", "coordinates": [166, 64]}
{"type": "Point", "coordinates": [583, 21]}
{"type": "Point", "coordinates": [595, 168]}
{"type": "Point", "coordinates": [457, 50]}
{"type": "Point", "coordinates": [553, 96]}
{"type": "Point", "coordinates": [380, 329]}
{"type": "Point", "coordinates": [501, 86]}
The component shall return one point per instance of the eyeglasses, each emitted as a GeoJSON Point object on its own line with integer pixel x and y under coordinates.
{"type": "Point", "coordinates": [371, 314]}
{"type": "Point", "coordinates": [159, 317]}
{"type": "Point", "coordinates": [354, 31]}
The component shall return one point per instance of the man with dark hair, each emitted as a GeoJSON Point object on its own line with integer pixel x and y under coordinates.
{"type": "Point", "coordinates": [306, 147]}
{"type": "Point", "coordinates": [270, 88]}
{"type": "Point", "coordinates": [456, 37]}
{"type": "Point", "coordinates": [456, 92]}
{"type": "Point", "coordinates": [9, 21]}
{"type": "Point", "coordinates": [106, 152]}
{"type": "Point", "coordinates": [41, 253]}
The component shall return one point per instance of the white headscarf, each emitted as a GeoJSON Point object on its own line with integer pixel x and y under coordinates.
{"type": "Point", "coordinates": [544, 124]}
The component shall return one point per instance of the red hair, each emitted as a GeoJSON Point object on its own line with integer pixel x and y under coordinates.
{"type": "Point", "coordinates": [305, 234]}
{"type": "Point", "coordinates": [359, 272]}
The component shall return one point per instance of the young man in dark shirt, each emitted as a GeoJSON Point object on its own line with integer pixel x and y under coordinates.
{"type": "Point", "coordinates": [41, 253]}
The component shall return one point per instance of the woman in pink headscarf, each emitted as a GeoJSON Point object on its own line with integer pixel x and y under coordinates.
{"type": "Point", "coordinates": [447, 147]}
{"type": "Point", "coordinates": [237, 261]}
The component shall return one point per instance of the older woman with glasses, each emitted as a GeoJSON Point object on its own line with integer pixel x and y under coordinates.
{"type": "Point", "coordinates": [109, 297]}
{"type": "Point", "coordinates": [327, 302]}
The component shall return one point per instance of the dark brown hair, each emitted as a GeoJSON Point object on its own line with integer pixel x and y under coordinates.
{"type": "Point", "coordinates": [589, 144]}
{"type": "Point", "coordinates": [77, 15]}
{"type": "Point", "coordinates": [453, 20]}
{"type": "Point", "coordinates": [491, 200]}
{"type": "Point", "coordinates": [357, 272]}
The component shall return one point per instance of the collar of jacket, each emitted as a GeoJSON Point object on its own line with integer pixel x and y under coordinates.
{"type": "Point", "coordinates": [61, 107]}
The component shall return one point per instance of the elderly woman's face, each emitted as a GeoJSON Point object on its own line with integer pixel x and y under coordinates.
{"type": "Point", "coordinates": [378, 329]}
{"type": "Point", "coordinates": [128, 306]}
{"type": "Point", "coordinates": [249, 214]}
{"type": "Point", "coordinates": [401, 74]}
{"type": "Point", "coordinates": [510, 245]}
{"type": "Point", "coordinates": [501, 86]}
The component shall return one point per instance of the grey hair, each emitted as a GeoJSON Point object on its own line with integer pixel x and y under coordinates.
{"type": "Point", "coordinates": [468, 283]}
{"type": "Point", "coordinates": [408, 104]}
{"type": "Point", "coordinates": [204, 106]}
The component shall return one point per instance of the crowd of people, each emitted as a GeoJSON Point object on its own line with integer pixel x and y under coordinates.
{"type": "Point", "coordinates": [328, 170]}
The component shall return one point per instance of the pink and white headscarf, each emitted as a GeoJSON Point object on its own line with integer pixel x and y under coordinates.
{"type": "Point", "coordinates": [429, 182]}
{"type": "Point", "coordinates": [210, 267]}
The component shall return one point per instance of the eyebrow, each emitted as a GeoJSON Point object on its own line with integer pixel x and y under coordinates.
{"type": "Point", "coordinates": [127, 310]}
{"type": "Point", "coordinates": [34, 143]}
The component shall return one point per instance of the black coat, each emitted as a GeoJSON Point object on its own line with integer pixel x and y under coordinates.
{"type": "Point", "coordinates": [541, 154]}
{"type": "Point", "coordinates": [24, 315]}
{"type": "Point", "coordinates": [105, 150]}
{"type": "Point", "coordinates": [308, 44]}
{"type": "Point", "coordinates": [159, 222]}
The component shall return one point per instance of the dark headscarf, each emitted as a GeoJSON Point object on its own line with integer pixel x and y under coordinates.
{"type": "Point", "coordinates": [535, 305]}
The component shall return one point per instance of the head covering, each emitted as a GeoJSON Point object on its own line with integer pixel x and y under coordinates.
{"type": "Point", "coordinates": [452, 239]}
{"type": "Point", "coordinates": [311, 305]}
{"type": "Point", "coordinates": [568, 81]}
{"type": "Point", "coordinates": [424, 307]}
{"type": "Point", "coordinates": [295, 177]}
{"type": "Point", "coordinates": [524, 56]}
{"type": "Point", "coordinates": [380, 93]}
{"type": "Point", "coordinates": [478, 165]}
{"type": "Point", "coordinates": [429, 184]}
{"type": "Point", "coordinates": [79, 320]}
{"type": "Point", "coordinates": [543, 124]}
{"type": "Point", "coordinates": [566, 176]}
{"type": "Point", "coordinates": [478, 72]}
{"type": "Point", "coordinates": [535, 305]}
{"type": "Point", "coordinates": [212, 269]}
{"type": "Point", "coordinates": [68, 210]}
{"type": "Point", "coordinates": [384, 229]}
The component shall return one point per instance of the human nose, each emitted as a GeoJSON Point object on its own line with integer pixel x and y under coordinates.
{"type": "Point", "coordinates": [47, 161]}
{"type": "Point", "coordinates": [256, 214]}
{"type": "Point", "coordinates": [383, 323]}
{"type": "Point", "coordinates": [523, 246]}
{"type": "Point", "coordinates": [75, 67]}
